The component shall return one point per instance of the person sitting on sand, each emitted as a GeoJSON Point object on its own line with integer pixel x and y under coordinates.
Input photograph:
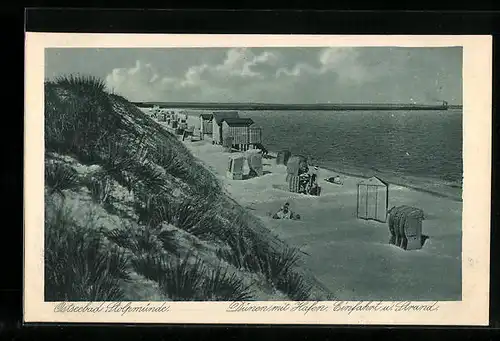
{"type": "Point", "coordinates": [284, 212]}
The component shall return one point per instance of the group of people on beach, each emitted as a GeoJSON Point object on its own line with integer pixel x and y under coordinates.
{"type": "Point", "coordinates": [308, 181]}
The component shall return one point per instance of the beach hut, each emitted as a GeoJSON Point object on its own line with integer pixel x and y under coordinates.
{"type": "Point", "coordinates": [405, 227]}
{"type": "Point", "coordinates": [188, 132]}
{"type": "Point", "coordinates": [235, 167]}
{"type": "Point", "coordinates": [254, 136]}
{"type": "Point", "coordinates": [297, 175]}
{"type": "Point", "coordinates": [238, 129]}
{"type": "Point", "coordinates": [296, 165]}
{"type": "Point", "coordinates": [373, 198]}
{"type": "Point", "coordinates": [282, 157]}
{"type": "Point", "coordinates": [206, 124]}
{"type": "Point", "coordinates": [183, 116]}
{"type": "Point", "coordinates": [218, 117]}
{"type": "Point", "coordinates": [254, 158]}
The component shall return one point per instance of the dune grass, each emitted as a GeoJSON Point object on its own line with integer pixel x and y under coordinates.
{"type": "Point", "coordinates": [221, 285]}
{"type": "Point", "coordinates": [150, 266]}
{"type": "Point", "coordinates": [246, 251]}
{"type": "Point", "coordinates": [142, 240]}
{"type": "Point", "coordinates": [182, 280]}
{"type": "Point", "coordinates": [100, 186]}
{"type": "Point", "coordinates": [59, 177]}
{"type": "Point", "coordinates": [166, 158]}
{"type": "Point", "coordinates": [82, 84]}
{"type": "Point", "coordinates": [193, 215]}
{"type": "Point", "coordinates": [78, 267]}
{"type": "Point", "coordinates": [294, 286]}
{"type": "Point", "coordinates": [79, 118]}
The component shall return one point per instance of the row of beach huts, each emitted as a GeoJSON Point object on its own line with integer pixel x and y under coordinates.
{"type": "Point", "coordinates": [228, 129]}
{"type": "Point", "coordinates": [225, 128]}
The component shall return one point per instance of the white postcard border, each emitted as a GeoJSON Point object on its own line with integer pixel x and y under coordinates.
{"type": "Point", "coordinates": [477, 99]}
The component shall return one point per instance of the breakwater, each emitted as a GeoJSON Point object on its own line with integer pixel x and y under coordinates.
{"type": "Point", "coordinates": [283, 107]}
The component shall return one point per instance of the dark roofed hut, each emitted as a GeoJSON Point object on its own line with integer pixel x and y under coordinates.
{"type": "Point", "coordinates": [206, 125]}
{"type": "Point", "coordinates": [218, 117]}
{"type": "Point", "coordinates": [239, 130]}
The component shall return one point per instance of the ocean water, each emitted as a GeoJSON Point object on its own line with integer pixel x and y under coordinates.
{"type": "Point", "coordinates": [423, 145]}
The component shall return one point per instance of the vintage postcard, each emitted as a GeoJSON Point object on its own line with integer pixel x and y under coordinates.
{"type": "Point", "coordinates": [253, 179]}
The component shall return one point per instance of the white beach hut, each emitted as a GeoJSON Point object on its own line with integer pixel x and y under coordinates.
{"type": "Point", "coordinates": [235, 167]}
{"type": "Point", "coordinates": [206, 124]}
{"type": "Point", "coordinates": [373, 199]}
{"type": "Point", "coordinates": [217, 119]}
{"type": "Point", "coordinates": [254, 159]}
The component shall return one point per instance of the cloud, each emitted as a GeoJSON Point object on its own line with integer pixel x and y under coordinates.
{"type": "Point", "coordinates": [339, 63]}
{"type": "Point", "coordinates": [329, 74]}
{"type": "Point", "coordinates": [203, 82]}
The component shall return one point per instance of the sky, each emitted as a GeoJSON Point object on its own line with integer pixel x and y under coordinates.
{"type": "Point", "coordinates": [270, 75]}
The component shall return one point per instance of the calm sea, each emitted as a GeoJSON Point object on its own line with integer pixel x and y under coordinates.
{"type": "Point", "coordinates": [421, 144]}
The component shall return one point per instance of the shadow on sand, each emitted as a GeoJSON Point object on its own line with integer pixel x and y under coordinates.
{"type": "Point", "coordinates": [251, 176]}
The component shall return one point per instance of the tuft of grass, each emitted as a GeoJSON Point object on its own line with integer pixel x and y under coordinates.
{"type": "Point", "coordinates": [82, 83]}
{"type": "Point", "coordinates": [59, 177]}
{"type": "Point", "coordinates": [182, 280]}
{"type": "Point", "coordinates": [238, 250]}
{"type": "Point", "coordinates": [125, 179]}
{"type": "Point", "coordinates": [220, 285]}
{"type": "Point", "coordinates": [154, 210]}
{"type": "Point", "coordinates": [279, 263]}
{"type": "Point", "coordinates": [193, 215]}
{"type": "Point", "coordinates": [209, 227]}
{"type": "Point", "coordinates": [143, 240]}
{"type": "Point", "coordinates": [78, 117]}
{"type": "Point", "coordinates": [278, 268]}
{"type": "Point", "coordinates": [116, 157]}
{"type": "Point", "coordinates": [165, 157]}
{"type": "Point", "coordinates": [294, 286]}
{"type": "Point", "coordinates": [100, 186]}
{"type": "Point", "coordinates": [187, 214]}
{"type": "Point", "coordinates": [247, 250]}
{"type": "Point", "coordinates": [151, 267]}
{"type": "Point", "coordinates": [78, 267]}
{"type": "Point", "coordinates": [169, 242]}
{"type": "Point", "coordinates": [153, 178]}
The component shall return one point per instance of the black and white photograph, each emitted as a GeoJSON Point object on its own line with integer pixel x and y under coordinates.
{"type": "Point", "coordinates": [243, 174]}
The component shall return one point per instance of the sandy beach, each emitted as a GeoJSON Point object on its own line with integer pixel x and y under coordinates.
{"type": "Point", "coordinates": [350, 256]}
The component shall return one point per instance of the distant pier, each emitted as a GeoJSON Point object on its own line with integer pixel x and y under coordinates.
{"type": "Point", "coordinates": [315, 106]}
